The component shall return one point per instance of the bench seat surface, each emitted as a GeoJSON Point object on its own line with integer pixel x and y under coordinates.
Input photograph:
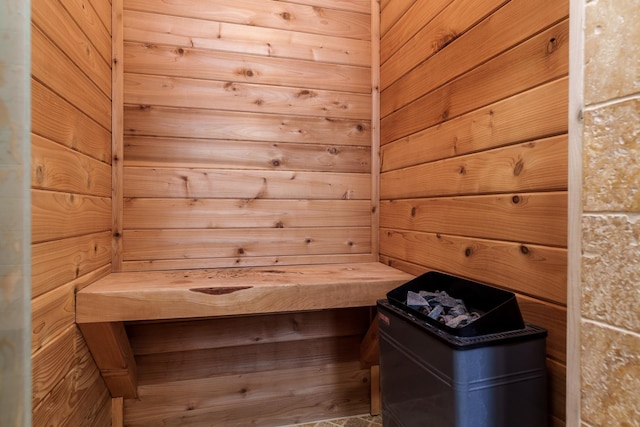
{"type": "Point", "coordinates": [179, 294]}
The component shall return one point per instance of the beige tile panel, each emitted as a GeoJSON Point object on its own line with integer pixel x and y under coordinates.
{"type": "Point", "coordinates": [610, 273]}
{"type": "Point", "coordinates": [610, 376]}
{"type": "Point", "coordinates": [611, 37]}
{"type": "Point", "coordinates": [612, 157]}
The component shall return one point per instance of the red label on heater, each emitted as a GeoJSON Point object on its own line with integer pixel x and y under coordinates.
{"type": "Point", "coordinates": [384, 318]}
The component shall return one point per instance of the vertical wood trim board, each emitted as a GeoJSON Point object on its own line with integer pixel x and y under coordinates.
{"type": "Point", "coordinates": [117, 132]}
{"type": "Point", "coordinates": [574, 261]}
{"type": "Point", "coordinates": [117, 412]}
{"type": "Point", "coordinates": [375, 127]}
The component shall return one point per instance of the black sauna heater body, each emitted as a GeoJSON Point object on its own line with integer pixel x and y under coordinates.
{"type": "Point", "coordinates": [489, 373]}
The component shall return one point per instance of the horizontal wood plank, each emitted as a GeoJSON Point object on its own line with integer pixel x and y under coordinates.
{"type": "Point", "coordinates": [60, 215]}
{"type": "Point", "coordinates": [391, 11]}
{"type": "Point", "coordinates": [407, 24]}
{"type": "Point", "coordinates": [240, 242]}
{"type": "Point", "coordinates": [144, 214]}
{"type": "Point", "coordinates": [457, 18]}
{"type": "Point", "coordinates": [531, 115]}
{"type": "Point", "coordinates": [78, 398]}
{"type": "Point", "coordinates": [361, 6]}
{"type": "Point", "coordinates": [242, 261]}
{"type": "Point", "coordinates": [168, 91]}
{"type": "Point", "coordinates": [557, 380]}
{"type": "Point", "coordinates": [204, 34]}
{"type": "Point", "coordinates": [141, 58]}
{"type": "Point", "coordinates": [56, 167]}
{"type": "Point", "coordinates": [206, 293]}
{"type": "Point", "coordinates": [552, 317]}
{"type": "Point", "coordinates": [53, 20]}
{"type": "Point", "coordinates": [228, 154]}
{"type": "Point", "coordinates": [526, 217]}
{"type": "Point", "coordinates": [261, 357]}
{"type": "Point", "coordinates": [82, 93]}
{"type": "Point", "coordinates": [51, 363]}
{"type": "Point", "coordinates": [534, 62]}
{"type": "Point", "coordinates": [197, 123]}
{"type": "Point", "coordinates": [274, 397]}
{"type": "Point", "coordinates": [509, 26]}
{"type": "Point", "coordinates": [169, 337]}
{"type": "Point", "coordinates": [244, 184]}
{"type": "Point", "coordinates": [532, 166]}
{"type": "Point", "coordinates": [96, 24]}
{"type": "Point", "coordinates": [54, 118]}
{"type": "Point", "coordinates": [103, 11]}
{"type": "Point", "coordinates": [53, 312]}
{"type": "Point", "coordinates": [537, 271]}
{"type": "Point", "coordinates": [266, 13]}
{"type": "Point", "coordinates": [57, 262]}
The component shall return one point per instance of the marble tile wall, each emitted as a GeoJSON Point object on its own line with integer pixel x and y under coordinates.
{"type": "Point", "coordinates": [610, 307]}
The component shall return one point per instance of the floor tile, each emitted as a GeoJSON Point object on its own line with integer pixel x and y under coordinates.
{"type": "Point", "coordinates": [355, 421]}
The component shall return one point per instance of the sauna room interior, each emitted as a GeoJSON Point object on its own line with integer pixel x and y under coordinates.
{"type": "Point", "coordinates": [332, 139]}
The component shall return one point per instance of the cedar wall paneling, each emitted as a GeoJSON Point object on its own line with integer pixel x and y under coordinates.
{"type": "Point", "coordinates": [247, 141]}
{"type": "Point", "coordinates": [71, 202]}
{"type": "Point", "coordinates": [269, 370]}
{"type": "Point", "coordinates": [474, 151]}
{"type": "Point", "coordinates": [247, 133]}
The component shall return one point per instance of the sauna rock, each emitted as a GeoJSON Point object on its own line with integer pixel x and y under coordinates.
{"type": "Point", "coordinates": [440, 306]}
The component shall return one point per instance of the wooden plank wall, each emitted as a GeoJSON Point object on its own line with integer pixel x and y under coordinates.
{"type": "Point", "coordinates": [474, 151]}
{"type": "Point", "coordinates": [71, 202]}
{"type": "Point", "coordinates": [247, 141]}
{"type": "Point", "coordinates": [247, 133]}
{"type": "Point", "coordinates": [268, 370]}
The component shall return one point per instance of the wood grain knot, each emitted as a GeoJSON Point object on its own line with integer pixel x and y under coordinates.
{"type": "Point", "coordinates": [517, 170]}
{"type": "Point", "coordinates": [305, 93]}
{"type": "Point", "coordinates": [220, 291]}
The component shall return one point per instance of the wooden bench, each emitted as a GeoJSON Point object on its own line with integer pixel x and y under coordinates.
{"type": "Point", "coordinates": [104, 306]}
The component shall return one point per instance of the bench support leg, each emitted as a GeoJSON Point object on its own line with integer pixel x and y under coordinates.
{"type": "Point", "coordinates": [117, 412]}
{"type": "Point", "coordinates": [370, 358]}
{"type": "Point", "coordinates": [111, 350]}
{"type": "Point", "coordinates": [376, 399]}
{"type": "Point", "coordinates": [369, 350]}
